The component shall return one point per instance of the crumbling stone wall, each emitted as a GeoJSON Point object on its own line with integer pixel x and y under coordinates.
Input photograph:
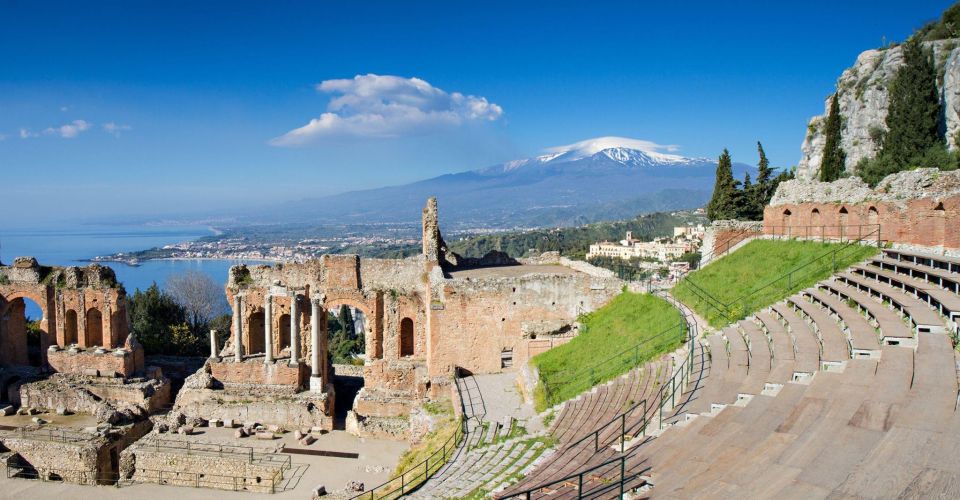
{"type": "Point", "coordinates": [480, 320]}
{"type": "Point", "coordinates": [69, 298]}
{"type": "Point", "coordinates": [912, 207]}
{"type": "Point", "coordinates": [232, 471]}
{"type": "Point", "coordinates": [724, 236]}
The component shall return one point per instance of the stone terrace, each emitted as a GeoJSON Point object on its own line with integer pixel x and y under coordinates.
{"type": "Point", "coordinates": [848, 388]}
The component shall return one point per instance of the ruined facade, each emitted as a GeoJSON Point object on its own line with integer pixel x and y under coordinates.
{"type": "Point", "coordinates": [422, 317]}
{"type": "Point", "coordinates": [81, 307]}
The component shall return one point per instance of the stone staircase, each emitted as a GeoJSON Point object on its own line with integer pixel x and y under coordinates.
{"type": "Point", "coordinates": [487, 468]}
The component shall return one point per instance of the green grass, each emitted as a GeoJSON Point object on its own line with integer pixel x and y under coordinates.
{"type": "Point", "coordinates": [607, 346]}
{"type": "Point", "coordinates": [740, 280]}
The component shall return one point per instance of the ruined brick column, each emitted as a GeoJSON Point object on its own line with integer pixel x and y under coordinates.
{"type": "Point", "coordinates": [316, 382]}
{"type": "Point", "coordinates": [294, 331]}
{"type": "Point", "coordinates": [268, 329]}
{"type": "Point", "coordinates": [213, 345]}
{"type": "Point", "coordinates": [237, 328]}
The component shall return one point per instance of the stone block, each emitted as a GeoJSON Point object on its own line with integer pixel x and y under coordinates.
{"type": "Point", "coordinates": [308, 440]}
{"type": "Point", "coordinates": [61, 410]}
{"type": "Point", "coordinates": [91, 372]}
{"type": "Point", "coordinates": [216, 423]}
{"type": "Point", "coordinates": [319, 491]}
{"type": "Point", "coordinates": [38, 420]}
{"type": "Point", "coordinates": [240, 433]}
{"type": "Point", "coordinates": [265, 435]}
{"type": "Point", "coordinates": [7, 410]}
{"type": "Point", "coordinates": [274, 428]}
{"type": "Point", "coordinates": [298, 434]}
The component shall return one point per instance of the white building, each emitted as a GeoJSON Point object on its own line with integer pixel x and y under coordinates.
{"type": "Point", "coordinates": [660, 249]}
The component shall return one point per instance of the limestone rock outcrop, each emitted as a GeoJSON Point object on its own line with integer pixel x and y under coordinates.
{"type": "Point", "coordinates": [863, 99]}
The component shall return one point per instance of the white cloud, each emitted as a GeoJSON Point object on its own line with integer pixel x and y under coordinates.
{"type": "Point", "coordinates": [70, 130]}
{"type": "Point", "coordinates": [115, 129]}
{"type": "Point", "coordinates": [25, 133]}
{"type": "Point", "coordinates": [591, 146]}
{"type": "Point", "coordinates": [388, 106]}
{"type": "Point", "coordinates": [64, 108]}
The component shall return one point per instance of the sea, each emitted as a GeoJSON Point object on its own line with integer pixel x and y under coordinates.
{"type": "Point", "coordinates": [75, 245]}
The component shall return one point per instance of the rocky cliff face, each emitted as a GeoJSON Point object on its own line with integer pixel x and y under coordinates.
{"type": "Point", "coordinates": [863, 100]}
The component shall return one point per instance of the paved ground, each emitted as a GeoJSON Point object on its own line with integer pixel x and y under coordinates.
{"type": "Point", "coordinates": [376, 461]}
{"type": "Point", "coordinates": [512, 271]}
{"type": "Point", "coordinates": [502, 400]}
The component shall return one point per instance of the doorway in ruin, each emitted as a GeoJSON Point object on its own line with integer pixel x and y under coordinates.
{"type": "Point", "coordinates": [255, 330]}
{"type": "Point", "coordinates": [283, 336]}
{"type": "Point", "coordinates": [94, 330]}
{"type": "Point", "coordinates": [406, 338]}
{"type": "Point", "coordinates": [346, 349]}
{"type": "Point", "coordinates": [22, 333]}
{"type": "Point", "coordinates": [70, 328]}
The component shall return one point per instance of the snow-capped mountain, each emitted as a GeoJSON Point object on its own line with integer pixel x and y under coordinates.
{"type": "Point", "coordinates": [629, 152]}
{"type": "Point", "coordinates": [604, 178]}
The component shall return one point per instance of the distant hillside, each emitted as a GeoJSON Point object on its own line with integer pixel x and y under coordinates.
{"type": "Point", "coordinates": [598, 179]}
{"type": "Point", "coordinates": [573, 241]}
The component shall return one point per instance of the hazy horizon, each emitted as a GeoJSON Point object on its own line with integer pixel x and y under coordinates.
{"type": "Point", "coordinates": [115, 110]}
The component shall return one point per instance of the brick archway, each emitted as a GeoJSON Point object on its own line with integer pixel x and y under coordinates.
{"type": "Point", "coordinates": [373, 335]}
{"type": "Point", "coordinates": [14, 343]}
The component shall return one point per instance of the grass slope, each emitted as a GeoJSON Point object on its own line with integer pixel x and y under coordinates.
{"type": "Point", "coordinates": [608, 346]}
{"type": "Point", "coordinates": [738, 279]}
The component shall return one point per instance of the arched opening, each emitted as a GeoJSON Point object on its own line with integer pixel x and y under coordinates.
{"type": "Point", "coordinates": [22, 325]}
{"type": "Point", "coordinates": [283, 336]}
{"type": "Point", "coordinates": [94, 330]}
{"type": "Point", "coordinates": [816, 226]}
{"type": "Point", "coordinates": [873, 216]}
{"type": "Point", "coordinates": [406, 337]}
{"type": "Point", "coordinates": [255, 329]}
{"type": "Point", "coordinates": [70, 328]}
{"type": "Point", "coordinates": [939, 224]}
{"type": "Point", "coordinates": [843, 216]}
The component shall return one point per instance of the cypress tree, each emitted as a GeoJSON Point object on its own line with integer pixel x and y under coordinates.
{"type": "Point", "coordinates": [832, 165]}
{"type": "Point", "coordinates": [913, 118]}
{"type": "Point", "coordinates": [745, 205]}
{"type": "Point", "coordinates": [726, 197]}
{"type": "Point", "coordinates": [762, 191]}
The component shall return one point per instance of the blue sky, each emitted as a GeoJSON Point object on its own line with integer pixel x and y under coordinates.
{"type": "Point", "coordinates": [141, 107]}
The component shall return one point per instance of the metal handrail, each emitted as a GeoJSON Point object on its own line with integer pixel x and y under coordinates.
{"type": "Point", "coordinates": [422, 471]}
{"type": "Point", "coordinates": [678, 381]}
{"type": "Point", "coordinates": [622, 460]}
{"type": "Point", "coordinates": [634, 349]}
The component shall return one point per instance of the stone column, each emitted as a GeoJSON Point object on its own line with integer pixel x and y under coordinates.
{"type": "Point", "coordinates": [268, 329]}
{"type": "Point", "coordinates": [294, 331]}
{"type": "Point", "coordinates": [213, 345]}
{"type": "Point", "coordinates": [237, 328]}
{"type": "Point", "coordinates": [315, 313]}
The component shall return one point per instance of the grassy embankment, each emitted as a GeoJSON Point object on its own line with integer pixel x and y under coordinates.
{"type": "Point", "coordinates": [430, 448]}
{"type": "Point", "coordinates": [629, 330]}
{"type": "Point", "coordinates": [753, 277]}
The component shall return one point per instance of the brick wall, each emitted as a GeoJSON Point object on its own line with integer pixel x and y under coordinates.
{"type": "Point", "coordinates": [256, 372]}
{"type": "Point", "coordinates": [107, 364]}
{"type": "Point", "coordinates": [923, 221]}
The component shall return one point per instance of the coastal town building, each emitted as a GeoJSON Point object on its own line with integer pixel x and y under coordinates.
{"type": "Point", "coordinates": [686, 239]}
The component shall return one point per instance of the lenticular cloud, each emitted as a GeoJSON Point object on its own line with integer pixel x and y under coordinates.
{"type": "Point", "coordinates": [388, 106]}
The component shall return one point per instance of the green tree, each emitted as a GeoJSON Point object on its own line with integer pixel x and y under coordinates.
{"type": "Point", "coordinates": [745, 207]}
{"type": "Point", "coordinates": [152, 315]}
{"type": "Point", "coordinates": [834, 159]}
{"type": "Point", "coordinates": [725, 202]}
{"type": "Point", "coordinates": [346, 322]}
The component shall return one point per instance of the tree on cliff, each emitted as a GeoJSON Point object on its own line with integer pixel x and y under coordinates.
{"type": "Point", "coordinates": [834, 159]}
{"type": "Point", "coordinates": [726, 199]}
{"type": "Point", "coordinates": [913, 120]}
